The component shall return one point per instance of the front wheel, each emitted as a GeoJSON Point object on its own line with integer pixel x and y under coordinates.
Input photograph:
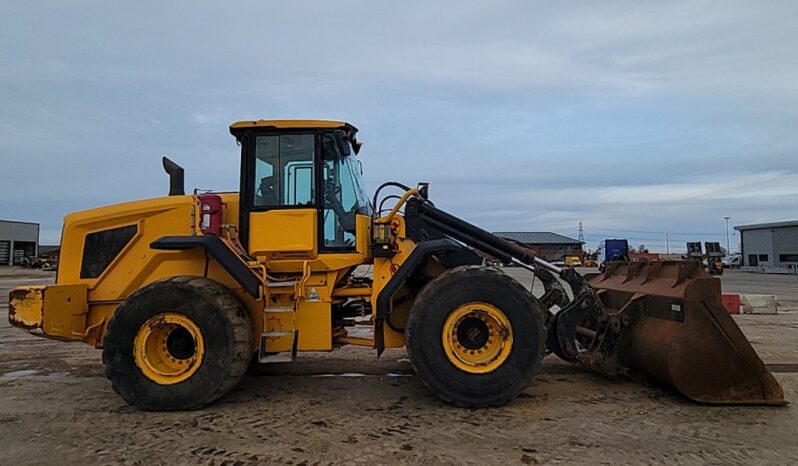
{"type": "Point", "coordinates": [475, 336]}
{"type": "Point", "coordinates": [177, 344]}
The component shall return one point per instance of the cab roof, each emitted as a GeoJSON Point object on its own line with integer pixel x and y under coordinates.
{"type": "Point", "coordinates": [239, 126]}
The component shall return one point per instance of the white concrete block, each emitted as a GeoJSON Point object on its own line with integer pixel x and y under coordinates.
{"type": "Point", "coordinates": [758, 304]}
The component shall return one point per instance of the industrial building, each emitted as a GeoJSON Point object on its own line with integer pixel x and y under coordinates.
{"type": "Point", "coordinates": [546, 245]}
{"type": "Point", "coordinates": [17, 240]}
{"type": "Point", "coordinates": [770, 247]}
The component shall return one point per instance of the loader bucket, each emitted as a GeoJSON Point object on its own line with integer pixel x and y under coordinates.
{"type": "Point", "coordinates": [664, 320]}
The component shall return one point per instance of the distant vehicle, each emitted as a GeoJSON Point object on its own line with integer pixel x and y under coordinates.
{"type": "Point", "coordinates": [710, 260]}
{"type": "Point", "coordinates": [573, 261]}
{"type": "Point", "coordinates": [714, 255]}
{"type": "Point", "coordinates": [611, 250]}
{"type": "Point", "coordinates": [47, 263]}
{"type": "Point", "coordinates": [733, 262]}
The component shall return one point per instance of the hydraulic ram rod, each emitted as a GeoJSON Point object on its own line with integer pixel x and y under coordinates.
{"type": "Point", "coordinates": [476, 237]}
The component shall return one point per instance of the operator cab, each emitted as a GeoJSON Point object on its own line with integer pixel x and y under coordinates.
{"type": "Point", "coordinates": [301, 173]}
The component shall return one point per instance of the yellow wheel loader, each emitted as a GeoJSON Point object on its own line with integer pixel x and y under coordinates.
{"type": "Point", "coordinates": [184, 292]}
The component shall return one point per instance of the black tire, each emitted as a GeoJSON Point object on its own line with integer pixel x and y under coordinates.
{"type": "Point", "coordinates": [226, 332]}
{"type": "Point", "coordinates": [433, 305]}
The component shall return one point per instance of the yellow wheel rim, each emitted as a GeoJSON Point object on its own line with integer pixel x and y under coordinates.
{"type": "Point", "coordinates": [477, 337]}
{"type": "Point", "coordinates": [168, 348]}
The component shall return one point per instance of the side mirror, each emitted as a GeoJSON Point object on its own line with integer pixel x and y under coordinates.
{"type": "Point", "coordinates": [342, 143]}
{"type": "Point", "coordinates": [423, 190]}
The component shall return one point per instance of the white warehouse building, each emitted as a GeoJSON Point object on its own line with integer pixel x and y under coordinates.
{"type": "Point", "coordinates": [18, 240]}
{"type": "Point", "coordinates": [770, 247]}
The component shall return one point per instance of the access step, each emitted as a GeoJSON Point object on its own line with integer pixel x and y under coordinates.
{"type": "Point", "coordinates": [279, 309]}
{"type": "Point", "coordinates": [277, 346]}
{"type": "Point", "coordinates": [286, 284]}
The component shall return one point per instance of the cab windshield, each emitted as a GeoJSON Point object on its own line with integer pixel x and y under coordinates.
{"type": "Point", "coordinates": [344, 193]}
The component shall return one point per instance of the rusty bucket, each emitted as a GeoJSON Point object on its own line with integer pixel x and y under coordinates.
{"type": "Point", "coordinates": [664, 320]}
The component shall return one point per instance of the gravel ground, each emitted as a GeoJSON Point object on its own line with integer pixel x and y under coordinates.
{"type": "Point", "coordinates": [56, 407]}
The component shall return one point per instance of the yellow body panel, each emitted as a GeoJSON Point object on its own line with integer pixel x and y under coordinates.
{"type": "Point", "coordinates": [154, 218]}
{"type": "Point", "coordinates": [363, 235]}
{"type": "Point", "coordinates": [65, 311]}
{"type": "Point", "coordinates": [320, 262]}
{"type": "Point", "coordinates": [137, 265]}
{"type": "Point", "coordinates": [384, 269]}
{"type": "Point", "coordinates": [283, 234]}
{"type": "Point", "coordinates": [314, 313]}
{"type": "Point", "coordinates": [314, 322]}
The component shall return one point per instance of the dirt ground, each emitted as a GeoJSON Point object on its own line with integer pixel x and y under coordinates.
{"type": "Point", "coordinates": [56, 407]}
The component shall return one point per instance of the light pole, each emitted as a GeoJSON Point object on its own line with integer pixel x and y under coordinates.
{"type": "Point", "coordinates": [728, 251]}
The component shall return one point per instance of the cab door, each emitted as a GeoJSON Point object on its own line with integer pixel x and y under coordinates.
{"type": "Point", "coordinates": [345, 215]}
{"type": "Point", "coordinates": [281, 207]}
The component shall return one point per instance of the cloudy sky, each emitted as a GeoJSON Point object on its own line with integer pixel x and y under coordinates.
{"type": "Point", "coordinates": [636, 118]}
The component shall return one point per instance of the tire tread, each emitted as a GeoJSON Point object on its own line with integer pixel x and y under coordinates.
{"type": "Point", "coordinates": [227, 303]}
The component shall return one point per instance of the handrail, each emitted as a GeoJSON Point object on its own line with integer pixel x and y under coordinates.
{"type": "Point", "coordinates": [409, 193]}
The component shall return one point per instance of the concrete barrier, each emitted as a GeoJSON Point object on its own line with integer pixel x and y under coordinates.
{"type": "Point", "coordinates": [781, 270]}
{"type": "Point", "coordinates": [758, 304]}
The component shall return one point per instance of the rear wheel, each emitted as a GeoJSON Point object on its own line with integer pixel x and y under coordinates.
{"type": "Point", "coordinates": [177, 344]}
{"type": "Point", "coordinates": [475, 336]}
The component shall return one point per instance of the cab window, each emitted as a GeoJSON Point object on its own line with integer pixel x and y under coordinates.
{"type": "Point", "coordinates": [343, 195]}
{"type": "Point", "coordinates": [284, 170]}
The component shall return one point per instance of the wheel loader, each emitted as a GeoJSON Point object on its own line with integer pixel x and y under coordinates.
{"type": "Point", "coordinates": [184, 292]}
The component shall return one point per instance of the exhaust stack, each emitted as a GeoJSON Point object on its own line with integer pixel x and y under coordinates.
{"type": "Point", "coordinates": [176, 177]}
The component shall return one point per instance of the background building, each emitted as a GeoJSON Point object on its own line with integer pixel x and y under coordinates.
{"type": "Point", "coordinates": [49, 250]}
{"type": "Point", "coordinates": [17, 240]}
{"type": "Point", "coordinates": [770, 246]}
{"type": "Point", "coordinates": [546, 245]}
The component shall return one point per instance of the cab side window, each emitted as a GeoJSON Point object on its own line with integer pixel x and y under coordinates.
{"type": "Point", "coordinates": [284, 171]}
{"type": "Point", "coordinates": [340, 197]}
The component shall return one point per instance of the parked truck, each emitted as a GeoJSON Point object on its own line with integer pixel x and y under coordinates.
{"type": "Point", "coordinates": [613, 250]}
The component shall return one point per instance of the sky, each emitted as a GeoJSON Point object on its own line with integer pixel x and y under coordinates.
{"type": "Point", "coordinates": [636, 118]}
